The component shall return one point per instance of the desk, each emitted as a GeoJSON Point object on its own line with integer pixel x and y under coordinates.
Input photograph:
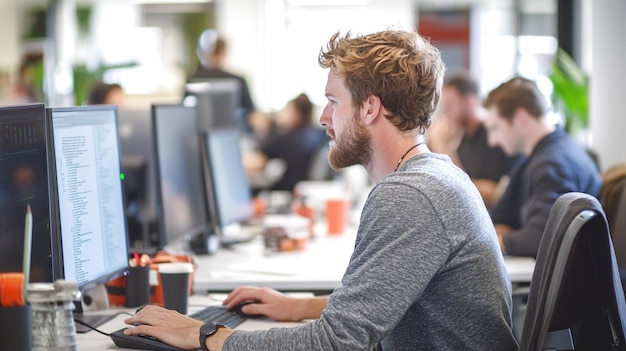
{"type": "Point", "coordinates": [520, 269]}
{"type": "Point", "coordinates": [317, 269]}
{"type": "Point", "coordinates": [96, 341]}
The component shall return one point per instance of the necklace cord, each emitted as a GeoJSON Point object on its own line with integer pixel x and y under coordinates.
{"type": "Point", "coordinates": [406, 153]}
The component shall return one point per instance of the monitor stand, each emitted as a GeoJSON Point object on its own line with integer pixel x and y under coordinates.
{"type": "Point", "coordinates": [96, 299]}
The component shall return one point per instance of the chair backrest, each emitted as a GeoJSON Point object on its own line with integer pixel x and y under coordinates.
{"type": "Point", "coordinates": [617, 226]}
{"type": "Point", "coordinates": [613, 199]}
{"type": "Point", "coordinates": [576, 301]}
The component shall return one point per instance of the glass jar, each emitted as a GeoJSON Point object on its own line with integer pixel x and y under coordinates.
{"type": "Point", "coordinates": [52, 304]}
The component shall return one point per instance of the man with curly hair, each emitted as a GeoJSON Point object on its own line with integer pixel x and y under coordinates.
{"type": "Point", "coordinates": [426, 272]}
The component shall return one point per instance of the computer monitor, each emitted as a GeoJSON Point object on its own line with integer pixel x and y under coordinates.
{"type": "Point", "coordinates": [228, 190]}
{"type": "Point", "coordinates": [217, 102]}
{"type": "Point", "coordinates": [181, 206]}
{"type": "Point", "coordinates": [24, 176]}
{"type": "Point", "coordinates": [135, 130]}
{"type": "Point", "coordinates": [89, 196]}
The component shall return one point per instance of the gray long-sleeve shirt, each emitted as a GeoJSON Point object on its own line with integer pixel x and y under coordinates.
{"type": "Point", "coordinates": [426, 273]}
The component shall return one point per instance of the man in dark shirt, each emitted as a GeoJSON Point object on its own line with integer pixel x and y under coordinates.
{"type": "Point", "coordinates": [295, 142]}
{"type": "Point", "coordinates": [556, 164]}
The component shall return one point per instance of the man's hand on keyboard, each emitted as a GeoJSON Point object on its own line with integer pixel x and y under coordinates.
{"type": "Point", "coordinates": [169, 326]}
{"type": "Point", "coordinates": [275, 305]}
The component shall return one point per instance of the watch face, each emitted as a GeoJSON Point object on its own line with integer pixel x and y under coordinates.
{"type": "Point", "coordinates": [208, 329]}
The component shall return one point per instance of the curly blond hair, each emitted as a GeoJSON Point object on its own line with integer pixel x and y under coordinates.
{"type": "Point", "coordinates": [402, 68]}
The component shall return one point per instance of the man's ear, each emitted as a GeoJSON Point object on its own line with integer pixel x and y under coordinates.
{"type": "Point", "coordinates": [373, 107]}
{"type": "Point", "coordinates": [521, 117]}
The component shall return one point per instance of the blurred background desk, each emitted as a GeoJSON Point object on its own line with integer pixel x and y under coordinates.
{"type": "Point", "coordinates": [520, 269]}
{"type": "Point", "coordinates": [318, 269]}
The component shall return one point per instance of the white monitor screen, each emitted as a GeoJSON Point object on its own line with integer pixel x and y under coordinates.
{"type": "Point", "coordinates": [94, 238]}
{"type": "Point", "coordinates": [230, 189]}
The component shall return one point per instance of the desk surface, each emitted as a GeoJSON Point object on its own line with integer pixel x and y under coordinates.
{"type": "Point", "coordinates": [96, 341]}
{"type": "Point", "coordinates": [325, 274]}
{"type": "Point", "coordinates": [319, 268]}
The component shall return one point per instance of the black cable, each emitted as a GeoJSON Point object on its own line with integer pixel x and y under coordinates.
{"type": "Point", "coordinates": [76, 320]}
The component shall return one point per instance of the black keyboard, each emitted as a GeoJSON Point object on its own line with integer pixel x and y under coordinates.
{"type": "Point", "coordinates": [216, 314]}
{"type": "Point", "coordinates": [219, 315]}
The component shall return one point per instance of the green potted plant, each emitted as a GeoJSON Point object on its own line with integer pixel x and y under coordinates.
{"type": "Point", "coordinates": [570, 95]}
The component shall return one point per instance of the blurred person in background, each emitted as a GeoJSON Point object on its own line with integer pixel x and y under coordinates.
{"type": "Point", "coordinates": [517, 121]}
{"type": "Point", "coordinates": [460, 133]}
{"type": "Point", "coordinates": [212, 52]}
{"type": "Point", "coordinates": [24, 90]}
{"type": "Point", "coordinates": [106, 94]}
{"type": "Point", "coordinates": [294, 140]}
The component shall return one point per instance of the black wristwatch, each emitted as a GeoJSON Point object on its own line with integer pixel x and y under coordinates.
{"type": "Point", "coordinates": [206, 330]}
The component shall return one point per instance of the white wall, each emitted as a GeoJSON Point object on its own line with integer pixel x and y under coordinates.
{"type": "Point", "coordinates": [9, 39]}
{"type": "Point", "coordinates": [607, 100]}
{"type": "Point", "coordinates": [9, 55]}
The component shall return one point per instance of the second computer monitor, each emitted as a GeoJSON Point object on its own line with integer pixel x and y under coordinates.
{"type": "Point", "coordinates": [89, 194]}
{"type": "Point", "coordinates": [135, 131]}
{"type": "Point", "coordinates": [181, 207]}
{"type": "Point", "coordinates": [228, 188]}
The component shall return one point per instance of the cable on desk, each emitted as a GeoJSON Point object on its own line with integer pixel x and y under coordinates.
{"type": "Point", "coordinates": [76, 320]}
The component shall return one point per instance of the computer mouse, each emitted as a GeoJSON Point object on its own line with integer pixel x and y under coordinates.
{"type": "Point", "coordinates": [237, 309]}
{"type": "Point", "coordinates": [140, 342]}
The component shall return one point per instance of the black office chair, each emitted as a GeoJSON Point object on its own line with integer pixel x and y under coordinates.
{"type": "Point", "coordinates": [613, 199]}
{"type": "Point", "coordinates": [576, 301]}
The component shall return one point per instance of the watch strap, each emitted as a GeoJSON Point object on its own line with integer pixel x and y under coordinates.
{"type": "Point", "coordinates": [206, 330]}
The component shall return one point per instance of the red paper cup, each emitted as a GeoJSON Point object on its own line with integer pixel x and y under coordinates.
{"type": "Point", "coordinates": [337, 215]}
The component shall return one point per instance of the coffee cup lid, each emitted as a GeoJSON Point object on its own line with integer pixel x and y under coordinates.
{"type": "Point", "coordinates": [175, 267]}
